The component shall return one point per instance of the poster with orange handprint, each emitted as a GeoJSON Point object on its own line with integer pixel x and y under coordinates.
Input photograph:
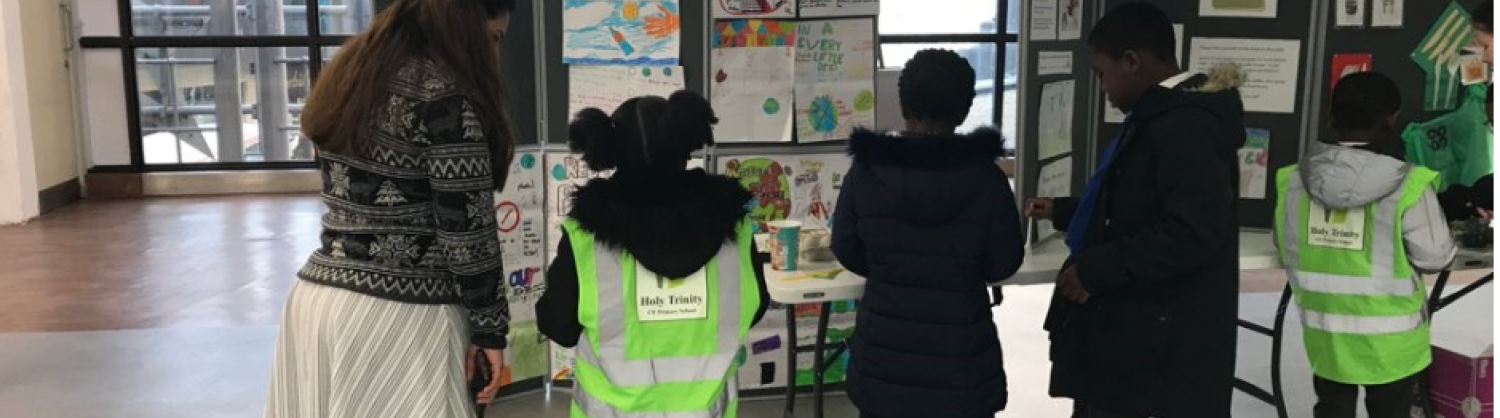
{"type": "Point", "coordinates": [621, 32]}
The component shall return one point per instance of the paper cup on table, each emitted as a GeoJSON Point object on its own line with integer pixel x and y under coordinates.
{"type": "Point", "coordinates": [785, 236]}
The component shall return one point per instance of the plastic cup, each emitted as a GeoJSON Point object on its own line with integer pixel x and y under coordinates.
{"type": "Point", "coordinates": [785, 239]}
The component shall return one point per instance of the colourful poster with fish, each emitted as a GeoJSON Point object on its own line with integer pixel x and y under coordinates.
{"type": "Point", "coordinates": [752, 90]}
{"type": "Point", "coordinates": [621, 32]}
{"type": "Point", "coordinates": [740, 9]}
{"type": "Point", "coordinates": [797, 187]}
{"type": "Point", "coordinates": [835, 83]}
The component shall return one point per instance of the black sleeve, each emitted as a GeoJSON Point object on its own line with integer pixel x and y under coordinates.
{"type": "Point", "coordinates": [848, 247]}
{"type": "Point", "coordinates": [1194, 189]}
{"type": "Point", "coordinates": [557, 310]}
{"type": "Point", "coordinates": [1006, 246]}
{"type": "Point", "coordinates": [760, 282]}
{"type": "Point", "coordinates": [1062, 212]}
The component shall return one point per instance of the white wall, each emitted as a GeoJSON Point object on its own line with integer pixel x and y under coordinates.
{"type": "Point", "coordinates": [102, 87]}
{"type": "Point", "coordinates": [18, 191]}
{"type": "Point", "coordinates": [50, 98]}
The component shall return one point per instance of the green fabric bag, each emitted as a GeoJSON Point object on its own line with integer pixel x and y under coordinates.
{"type": "Point", "coordinates": [1458, 145]}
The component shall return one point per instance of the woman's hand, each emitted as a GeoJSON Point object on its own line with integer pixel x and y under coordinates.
{"type": "Point", "coordinates": [496, 359]}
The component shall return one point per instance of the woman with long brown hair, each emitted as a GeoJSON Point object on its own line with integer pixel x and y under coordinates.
{"type": "Point", "coordinates": [411, 124]}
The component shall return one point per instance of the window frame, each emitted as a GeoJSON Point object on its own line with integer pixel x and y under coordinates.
{"type": "Point", "coordinates": [1001, 39]}
{"type": "Point", "coordinates": [128, 43]}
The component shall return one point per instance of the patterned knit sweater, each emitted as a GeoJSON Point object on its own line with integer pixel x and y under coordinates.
{"type": "Point", "coordinates": [412, 219]}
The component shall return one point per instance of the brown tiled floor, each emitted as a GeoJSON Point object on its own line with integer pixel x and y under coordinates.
{"type": "Point", "coordinates": [152, 263]}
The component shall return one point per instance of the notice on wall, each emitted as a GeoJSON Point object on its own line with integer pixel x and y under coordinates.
{"type": "Point", "coordinates": [1069, 20]}
{"type": "Point", "coordinates": [1055, 130]}
{"type": "Point", "coordinates": [1055, 180]}
{"type": "Point", "coordinates": [621, 32]}
{"type": "Point", "coordinates": [1054, 62]}
{"type": "Point", "coordinates": [521, 217]}
{"type": "Point", "coordinates": [1254, 160]}
{"type": "Point", "coordinates": [837, 8]}
{"type": "Point", "coordinates": [1388, 13]}
{"type": "Point", "coordinates": [1346, 64]}
{"type": "Point", "coordinates": [1043, 20]}
{"type": "Point", "coordinates": [835, 83]}
{"type": "Point", "coordinates": [606, 87]}
{"type": "Point", "coordinates": [741, 9]}
{"type": "Point", "coordinates": [1349, 13]}
{"type": "Point", "coordinates": [1237, 8]}
{"type": "Point", "coordinates": [798, 187]}
{"type": "Point", "coordinates": [1271, 68]}
{"type": "Point", "coordinates": [753, 71]}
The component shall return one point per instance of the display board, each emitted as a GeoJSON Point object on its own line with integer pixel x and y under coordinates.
{"type": "Point", "coordinates": [519, 214]}
{"type": "Point", "coordinates": [1053, 109]}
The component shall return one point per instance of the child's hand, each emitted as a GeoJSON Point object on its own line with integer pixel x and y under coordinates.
{"type": "Point", "coordinates": [1039, 208]}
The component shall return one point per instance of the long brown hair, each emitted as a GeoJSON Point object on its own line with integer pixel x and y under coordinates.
{"type": "Point", "coordinates": [349, 91]}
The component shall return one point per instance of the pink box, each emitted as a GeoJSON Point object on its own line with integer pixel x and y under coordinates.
{"type": "Point", "coordinates": [1463, 386]}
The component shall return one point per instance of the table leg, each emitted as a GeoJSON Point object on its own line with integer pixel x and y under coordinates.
{"type": "Point", "coordinates": [791, 360]}
{"type": "Point", "coordinates": [820, 348]}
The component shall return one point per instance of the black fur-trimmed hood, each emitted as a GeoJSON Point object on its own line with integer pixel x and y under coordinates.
{"type": "Point", "coordinates": [984, 145]}
{"type": "Point", "coordinates": [672, 223]}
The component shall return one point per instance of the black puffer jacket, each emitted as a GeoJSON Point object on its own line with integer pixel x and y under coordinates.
{"type": "Point", "coordinates": [672, 223]}
{"type": "Point", "coordinates": [1161, 262]}
{"type": "Point", "coordinates": [931, 223]}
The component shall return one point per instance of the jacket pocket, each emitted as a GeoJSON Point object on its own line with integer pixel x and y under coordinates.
{"type": "Point", "coordinates": [1126, 350]}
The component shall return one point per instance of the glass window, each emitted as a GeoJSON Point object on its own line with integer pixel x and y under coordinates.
{"type": "Point", "coordinates": [218, 17]}
{"type": "Point", "coordinates": [925, 17]}
{"type": "Point", "coordinates": [345, 17]}
{"type": "Point", "coordinates": [185, 94]}
{"type": "Point", "coordinates": [981, 57]}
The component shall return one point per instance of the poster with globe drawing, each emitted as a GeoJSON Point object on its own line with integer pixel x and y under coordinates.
{"type": "Point", "coordinates": [835, 78]}
{"type": "Point", "coordinates": [752, 89]}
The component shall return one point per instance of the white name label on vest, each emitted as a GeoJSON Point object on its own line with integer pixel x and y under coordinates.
{"type": "Point", "coordinates": [662, 299]}
{"type": "Point", "coordinates": [1339, 228]}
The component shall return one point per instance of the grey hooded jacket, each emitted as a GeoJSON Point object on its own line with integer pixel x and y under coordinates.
{"type": "Point", "coordinates": [1342, 178]}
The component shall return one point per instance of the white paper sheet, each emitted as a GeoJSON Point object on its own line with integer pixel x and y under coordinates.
{"type": "Point", "coordinates": [838, 8]}
{"type": "Point", "coordinates": [1387, 13]}
{"type": "Point", "coordinates": [1054, 62]}
{"type": "Point", "coordinates": [1069, 19]}
{"type": "Point", "coordinates": [1055, 132]}
{"type": "Point", "coordinates": [1271, 66]}
{"type": "Point", "coordinates": [1349, 13]}
{"type": "Point", "coordinates": [752, 93]}
{"type": "Point", "coordinates": [521, 217]}
{"type": "Point", "coordinates": [1237, 8]}
{"type": "Point", "coordinates": [741, 9]}
{"type": "Point", "coordinates": [1253, 162]}
{"type": "Point", "coordinates": [1043, 20]}
{"type": "Point", "coordinates": [606, 87]}
{"type": "Point", "coordinates": [621, 32]}
{"type": "Point", "coordinates": [835, 90]}
{"type": "Point", "coordinates": [1055, 180]}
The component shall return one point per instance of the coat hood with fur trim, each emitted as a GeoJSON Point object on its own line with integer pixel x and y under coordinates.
{"type": "Point", "coordinates": [672, 223]}
{"type": "Point", "coordinates": [1216, 92]}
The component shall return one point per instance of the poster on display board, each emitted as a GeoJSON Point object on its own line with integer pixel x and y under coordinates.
{"type": "Point", "coordinates": [753, 67]}
{"type": "Point", "coordinates": [606, 87]}
{"type": "Point", "coordinates": [1387, 13]}
{"type": "Point", "coordinates": [1271, 68]}
{"type": "Point", "coordinates": [1043, 20]}
{"type": "Point", "coordinates": [1069, 20]}
{"type": "Point", "coordinates": [838, 8]}
{"type": "Point", "coordinates": [835, 78]}
{"type": "Point", "coordinates": [1439, 55]}
{"type": "Point", "coordinates": [1055, 129]}
{"type": "Point", "coordinates": [796, 187]}
{"type": "Point", "coordinates": [520, 218]}
{"type": "Point", "coordinates": [1349, 13]}
{"type": "Point", "coordinates": [1254, 160]}
{"type": "Point", "coordinates": [1055, 180]}
{"type": "Point", "coordinates": [741, 9]}
{"type": "Point", "coordinates": [621, 32]}
{"type": "Point", "coordinates": [1346, 64]}
{"type": "Point", "coordinates": [1238, 8]}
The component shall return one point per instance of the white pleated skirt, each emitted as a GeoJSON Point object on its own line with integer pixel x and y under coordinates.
{"type": "Point", "coordinates": [342, 354]}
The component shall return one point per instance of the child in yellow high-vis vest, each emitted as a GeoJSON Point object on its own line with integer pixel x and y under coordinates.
{"type": "Point", "coordinates": [1357, 226]}
{"type": "Point", "coordinates": [655, 281]}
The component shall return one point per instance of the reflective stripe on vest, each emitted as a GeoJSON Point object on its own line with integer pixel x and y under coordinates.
{"type": "Point", "coordinates": [1362, 305]}
{"type": "Point", "coordinates": [684, 368]}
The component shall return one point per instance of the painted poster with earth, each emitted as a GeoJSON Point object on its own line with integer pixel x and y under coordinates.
{"type": "Point", "coordinates": [797, 187]}
{"type": "Point", "coordinates": [835, 78]}
{"type": "Point", "coordinates": [752, 86]}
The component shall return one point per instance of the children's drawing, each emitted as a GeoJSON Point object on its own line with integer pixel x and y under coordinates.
{"type": "Point", "coordinates": [838, 8]}
{"type": "Point", "coordinates": [522, 220]}
{"type": "Point", "coordinates": [1254, 159]}
{"type": "Point", "coordinates": [1055, 132]}
{"type": "Point", "coordinates": [798, 187]}
{"type": "Point", "coordinates": [835, 78]}
{"type": "Point", "coordinates": [753, 65]}
{"type": "Point", "coordinates": [1069, 19]}
{"type": "Point", "coordinates": [606, 87]}
{"type": "Point", "coordinates": [766, 179]}
{"type": "Point", "coordinates": [733, 9]}
{"type": "Point", "coordinates": [621, 32]}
